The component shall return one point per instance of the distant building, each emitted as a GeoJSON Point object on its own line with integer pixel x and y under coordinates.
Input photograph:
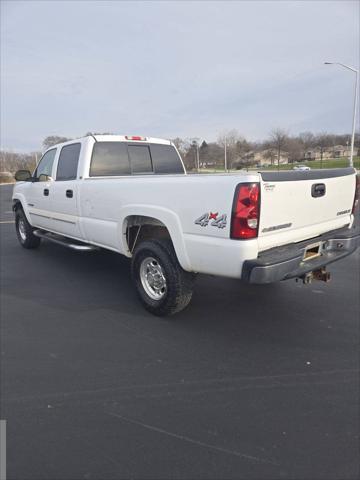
{"type": "Point", "coordinates": [262, 158]}
{"type": "Point", "coordinates": [336, 151]}
{"type": "Point", "coordinates": [341, 151]}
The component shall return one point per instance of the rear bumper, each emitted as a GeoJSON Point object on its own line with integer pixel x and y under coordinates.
{"type": "Point", "coordinates": [282, 263]}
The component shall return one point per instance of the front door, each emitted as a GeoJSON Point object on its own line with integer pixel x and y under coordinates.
{"type": "Point", "coordinates": [40, 192]}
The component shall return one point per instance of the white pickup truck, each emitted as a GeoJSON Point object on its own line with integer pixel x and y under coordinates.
{"type": "Point", "coordinates": [132, 195]}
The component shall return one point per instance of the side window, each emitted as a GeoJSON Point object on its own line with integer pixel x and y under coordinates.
{"type": "Point", "coordinates": [109, 159]}
{"type": "Point", "coordinates": [165, 159]}
{"type": "Point", "coordinates": [68, 162]}
{"type": "Point", "coordinates": [46, 163]}
{"type": "Point", "coordinates": [140, 159]}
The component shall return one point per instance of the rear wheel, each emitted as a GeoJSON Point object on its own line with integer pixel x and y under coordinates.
{"type": "Point", "coordinates": [164, 288]}
{"type": "Point", "coordinates": [24, 231]}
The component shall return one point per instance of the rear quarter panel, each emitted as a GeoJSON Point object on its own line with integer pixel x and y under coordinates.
{"type": "Point", "coordinates": [177, 201]}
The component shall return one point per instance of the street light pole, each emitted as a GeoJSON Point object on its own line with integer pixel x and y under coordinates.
{"type": "Point", "coordinates": [198, 158]}
{"type": "Point", "coordinates": [225, 159]}
{"type": "Point", "coordinates": [351, 163]}
{"type": "Point", "coordinates": [354, 119]}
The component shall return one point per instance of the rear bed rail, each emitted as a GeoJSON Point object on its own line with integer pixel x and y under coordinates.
{"type": "Point", "coordinates": [296, 175]}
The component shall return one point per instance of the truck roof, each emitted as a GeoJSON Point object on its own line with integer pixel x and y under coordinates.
{"type": "Point", "coordinates": [114, 138]}
{"type": "Point", "coordinates": [130, 138]}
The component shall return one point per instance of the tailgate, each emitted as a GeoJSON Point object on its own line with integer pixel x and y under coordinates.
{"type": "Point", "coordinates": [299, 205]}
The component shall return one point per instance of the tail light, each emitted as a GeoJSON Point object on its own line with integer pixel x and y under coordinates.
{"type": "Point", "coordinates": [356, 196]}
{"type": "Point", "coordinates": [246, 211]}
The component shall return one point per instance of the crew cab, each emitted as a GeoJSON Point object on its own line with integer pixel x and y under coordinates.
{"type": "Point", "coordinates": [132, 195]}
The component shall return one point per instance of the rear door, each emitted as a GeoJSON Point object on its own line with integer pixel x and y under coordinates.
{"type": "Point", "coordinates": [65, 213]}
{"type": "Point", "coordinates": [298, 205]}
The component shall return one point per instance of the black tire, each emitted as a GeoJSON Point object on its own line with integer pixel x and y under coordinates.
{"type": "Point", "coordinates": [24, 231]}
{"type": "Point", "coordinates": [177, 292]}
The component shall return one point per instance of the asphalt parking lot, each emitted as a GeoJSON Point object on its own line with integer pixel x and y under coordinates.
{"type": "Point", "coordinates": [250, 382]}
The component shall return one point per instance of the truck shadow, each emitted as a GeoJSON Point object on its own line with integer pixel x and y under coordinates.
{"type": "Point", "coordinates": [101, 282]}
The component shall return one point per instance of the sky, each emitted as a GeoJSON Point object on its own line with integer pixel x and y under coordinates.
{"type": "Point", "coordinates": [175, 69]}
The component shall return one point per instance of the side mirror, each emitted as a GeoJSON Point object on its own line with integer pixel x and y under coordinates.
{"type": "Point", "coordinates": [44, 178]}
{"type": "Point", "coordinates": [22, 175]}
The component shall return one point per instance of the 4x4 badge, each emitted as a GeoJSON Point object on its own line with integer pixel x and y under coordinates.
{"type": "Point", "coordinates": [219, 222]}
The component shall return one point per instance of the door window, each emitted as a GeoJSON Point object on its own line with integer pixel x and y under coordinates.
{"type": "Point", "coordinates": [46, 163]}
{"type": "Point", "coordinates": [68, 162]}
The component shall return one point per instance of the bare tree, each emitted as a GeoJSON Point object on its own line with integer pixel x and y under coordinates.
{"type": "Point", "coordinates": [242, 148]}
{"type": "Point", "coordinates": [12, 161]}
{"type": "Point", "coordinates": [278, 139]}
{"type": "Point", "coordinates": [307, 140]}
{"type": "Point", "coordinates": [231, 139]}
{"type": "Point", "coordinates": [190, 156]}
{"type": "Point", "coordinates": [214, 154]}
{"type": "Point", "coordinates": [181, 145]}
{"type": "Point", "coordinates": [53, 140]}
{"type": "Point", "coordinates": [294, 148]}
{"type": "Point", "coordinates": [323, 140]}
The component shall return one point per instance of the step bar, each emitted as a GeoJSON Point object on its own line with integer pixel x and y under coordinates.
{"type": "Point", "coordinates": [64, 241]}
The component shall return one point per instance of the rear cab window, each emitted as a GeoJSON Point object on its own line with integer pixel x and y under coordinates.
{"type": "Point", "coordinates": [140, 159]}
{"type": "Point", "coordinates": [109, 159]}
{"type": "Point", "coordinates": [122, 158]}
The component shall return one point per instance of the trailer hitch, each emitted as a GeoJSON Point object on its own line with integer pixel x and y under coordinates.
{"type": "Point", "coordinates": [321, 275]}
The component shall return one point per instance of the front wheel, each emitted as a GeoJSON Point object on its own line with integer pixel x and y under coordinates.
{"type": "Point", "coordinates": [24, 231]}
{"type": "Point", "coordinates": [164, 288]}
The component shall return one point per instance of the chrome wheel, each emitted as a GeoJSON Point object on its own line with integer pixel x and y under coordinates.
{"type": "Point", "coordinates": [152, 278]}
{"type": "Point", "coordinates": [22, 229]}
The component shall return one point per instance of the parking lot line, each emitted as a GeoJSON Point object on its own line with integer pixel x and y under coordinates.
{"type": "Point", "coordinates": [191, 440]}
{"type": "Point", "coordinates": [2, 449]}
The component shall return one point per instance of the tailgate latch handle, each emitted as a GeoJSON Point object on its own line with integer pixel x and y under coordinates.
{"type": "Point", "coordinates": [318, 190]}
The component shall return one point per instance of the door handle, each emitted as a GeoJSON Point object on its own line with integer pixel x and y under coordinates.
{"type": "Point", "coordinates": [46, 192]}
{"type": "Point", "coordinates": [318, 190]}
{"type": "Point", "coordinates": [69, 193]}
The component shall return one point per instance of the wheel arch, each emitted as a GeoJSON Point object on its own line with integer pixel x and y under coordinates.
{"type": "Point", "coordinates": [155, 223]}
{"type": "Point", "coordinates": [19, 202]}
